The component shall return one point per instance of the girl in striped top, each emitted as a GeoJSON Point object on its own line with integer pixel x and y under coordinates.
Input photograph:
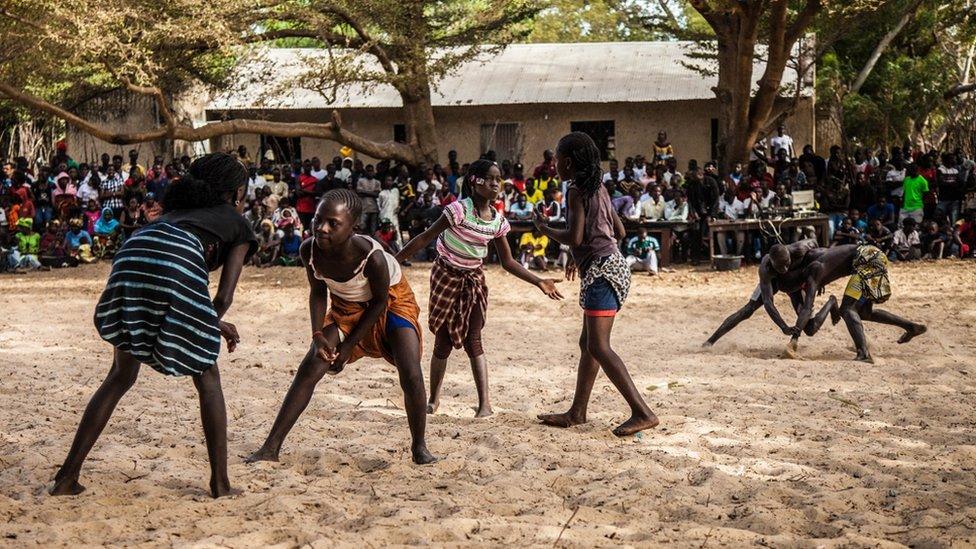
{"type": "Point", "coordinates": [458, 294]}
{"type": "Point", "coordinates": [156, 308]}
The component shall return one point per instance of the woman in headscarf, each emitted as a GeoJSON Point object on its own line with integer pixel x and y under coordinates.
{"type": "Point", "coordinates": [107, 230]}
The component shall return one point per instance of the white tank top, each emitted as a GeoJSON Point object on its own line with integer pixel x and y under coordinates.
{"type": "Point", "coordinates": [356, 289]}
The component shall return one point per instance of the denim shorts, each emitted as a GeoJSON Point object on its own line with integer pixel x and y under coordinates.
{"type": "Point", "coordinates": [599, 299]}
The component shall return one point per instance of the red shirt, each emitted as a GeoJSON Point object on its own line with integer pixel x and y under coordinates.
{"type": "Point", "coordinates": [306, 204]}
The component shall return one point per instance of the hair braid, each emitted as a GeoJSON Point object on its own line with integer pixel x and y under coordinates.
{"type": "Point", "coordinates": [587, 174]}
{"type": "Point", "coordinates": [348, 198]}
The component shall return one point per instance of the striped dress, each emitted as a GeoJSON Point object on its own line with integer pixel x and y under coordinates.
{"type": "Point", "coordinates": [457, 282]}
{"type": "Point", "coordinates": [156, 304]}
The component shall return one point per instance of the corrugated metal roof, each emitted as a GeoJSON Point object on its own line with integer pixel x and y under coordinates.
{"type": "Point", "coordinates": [619, 72]}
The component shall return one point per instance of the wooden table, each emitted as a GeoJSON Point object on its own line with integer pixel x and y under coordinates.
{"type": "Point", "coordinates": [661, 228]}
{"type": "Point", "coordinates": [820, 223]}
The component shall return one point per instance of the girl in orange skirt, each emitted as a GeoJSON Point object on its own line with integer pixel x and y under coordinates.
{"type": "Point", "coordinates": [373, 313]}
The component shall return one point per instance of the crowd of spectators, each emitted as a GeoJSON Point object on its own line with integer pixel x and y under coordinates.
{"type": "Point", "coordinates": [910, 203]}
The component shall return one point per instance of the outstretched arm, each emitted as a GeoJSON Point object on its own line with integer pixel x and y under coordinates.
{"type": "Point", "coordinates": [570, 236]}
{"type": "Point", "coordinates": [422, 240]}
{"type": "Point", "coordinates": [766, 288]}
{"type": "Point", "coordinates": [806, 310]}
{"type": "Point", "coordinates": [547, 285]}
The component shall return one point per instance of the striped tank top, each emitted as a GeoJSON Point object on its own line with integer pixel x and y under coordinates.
{"type": "Point", "coordinates": [464, 244]}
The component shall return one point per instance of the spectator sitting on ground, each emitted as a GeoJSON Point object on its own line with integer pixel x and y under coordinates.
{"type": "Point", "coordinates": [934, 240]}
{"type": "Point", "coordinates": [964, 235]}
{"type": "Point", "coordinates": [290, 243]}
{"type": "Point", "coordinates": [878, 236]}
{"type": "Point", "coordinates": [847, 233]}
{"type": "Point", "coordinates": [77, 242]}
{"type": "Point", "coordinates": [533, 246]}
{"type": "Point", "coordinates": [25, 256]}
{"type": "Point", "coordinates": [905, 244]}
{"type": "Point", "coordinates": [268, 245]}
{"type": "Point", "coordinates": [642, 252]}
{"type": "Point", "coordinates": [521, 210]}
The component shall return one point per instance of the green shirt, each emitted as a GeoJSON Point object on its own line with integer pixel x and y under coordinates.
{"type": "Point", "coordinates": [28, 244]}
{"type": "Point", "coordinates": [914, 188]}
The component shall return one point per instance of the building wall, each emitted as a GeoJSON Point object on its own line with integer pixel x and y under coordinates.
{"type": "Point", "coordinates": [688, 124]}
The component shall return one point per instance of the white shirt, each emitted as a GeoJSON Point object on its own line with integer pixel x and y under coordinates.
{"type": "Point", "coordinates": [608, 176]}
{"type": "Point", "coordinates": [344, 174]}
{"type": "Point", "coordinates": [728, 208]}
{"type": "Point", "coordinates": [318, 174]}
{"type": "Point", "coordinates": [86, 192]}
{"type": "Point", "coordinates": [742, 207]}
{"type": "Point", "coordinates": [766, 199]}
{"type": "Point", "coordinates": [672, 212]}
{"type": "Point", "coordinates": [781, 142]}
{"type": "Point", "coordinates": [422, 186]}
{"type": "Point", "coordinates": [389, 202]}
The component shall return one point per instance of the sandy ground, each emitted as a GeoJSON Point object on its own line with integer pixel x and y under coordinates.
{"type": "Point", "coordinates": [753, 448]}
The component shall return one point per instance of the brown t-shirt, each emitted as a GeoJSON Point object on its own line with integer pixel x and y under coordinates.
{"type": "Point", "coordinates": [598, 234]}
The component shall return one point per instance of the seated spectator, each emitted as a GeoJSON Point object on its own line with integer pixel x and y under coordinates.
{"type": "Point", "coordinates": [879, 236]}
{"type": "Point", "coordinates": [78, 243]}
{"type": "Point", "coordinates": [934, 240]}
{"type": "Point", "coordinates": [92, 214]}
{"type": "Point", "coordinates": [847, 233]}
{"type": "Point", "coordinates": [386, 234]}
{"type": "Point", "coordinates": [550, 207]}
{"type": "Point", "coordinates": [783, 198]}
{"type": "Point", "coordinates": [642, 252]}
{"type": "Point", "coordinates": [52, 244]}
{"type": "Point", "coordinates": [905, 244]}
{"type": "Point", "coordinates": [108, 233]}
{"type": "Point", "coordinates": [286, 214]}
{"type": "Point", "coordinates": [290, 243]}
{"type": "Point", "coordinates": [521, 210]}
{"type": "Point", "coordinates": [883, 211]}
{"type": "Point", "coordinates": [628, 205]}
{"type": "Point", "coordinates": [964, 236]}
{"type": "Point", "coordinates": [677, 209]}
{"type": "Point", "coordinates": [268, 245]}
{"type": "Point", "coordinates": [533, 194]}
{"type": "Point", "coordinates": [151, 209]}
{"type": "Point", "coordinates": [859, 223]}
{"type": "Point", "coordinates": [652, 204]}
{"type": "Point", "coordinates": [131, 218]}
{"type": "Point", "coordinates": [532, 246]}
{"type": "Point", "coordinates": [25, 256]}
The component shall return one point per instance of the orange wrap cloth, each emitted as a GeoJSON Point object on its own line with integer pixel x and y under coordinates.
{"type": "Point", "coordinates": [346, 314]}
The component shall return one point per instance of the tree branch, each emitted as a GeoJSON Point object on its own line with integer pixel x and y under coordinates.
{"type": "Point", "coordinates": [369, 44]}
{"type": "Point", "coordinates": [880, 48]}
{"type": "Point", "coordinates": [802, 21]}
{"type": "Point", "coordinates": [332, 130]}
{"type": "Point", "coordinates": [958, 90]}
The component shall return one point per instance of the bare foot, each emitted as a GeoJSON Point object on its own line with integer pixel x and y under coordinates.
{"type": "Point", "coordinates": [222, 489]}
{"type": "Point", "coordinates": [564, 420]}
{"type": "Point", "coordinates": [864, 357]}
{"type": "Point", "coordinates": [834, 314]}
{"type": "Point", "coordinates": [263, 454]}
{"type": "Point", "coordinates": [66, 487]}
{"type": "Point", "coordinates": [909, 335]}
{"type": "Point", "coordinates": [422, 456]}
{"type": "Point", "coordinates": [636, 424]}
{"type": "Point", "coordinates": [484, 411]}
{"type": "Point", "coordinates": [433, 406]}
{"type": "Point", "coordinates": [791, 348]}
{"type": "Point", "coordinates": [651, 273]}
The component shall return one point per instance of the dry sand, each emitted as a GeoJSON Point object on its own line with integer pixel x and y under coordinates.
{"type": "Point", "coordinates": [752, 449]}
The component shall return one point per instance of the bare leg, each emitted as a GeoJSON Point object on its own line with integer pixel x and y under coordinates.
{"type": "Point", "coordinates": [406, 354]}
{"type": "Point", "coordinates": [586, 375]}
{"type": "Point", "coordinates": [849, 311]}
{"type": "Point", "coordinates": [310, 372]}
{"type": "Point", "coordinates": [479, 367]}
{"type": "Point", "coordinates": [213, 412]}
{"type": "Point", "coordinates": [438, 366]}
{"type": "Point", "coordinates": [125, 370]}
{"type": "Point", "coordinates": [733, 320]}
{"type": "Point", "coordinates": [912, 329]}
{"type": "Point", "coordinates": [598, 344]}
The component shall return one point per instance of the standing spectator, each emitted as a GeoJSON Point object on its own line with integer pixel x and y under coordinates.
{"type": "Point", "coordinates": [816, 162]}
{"type": "Point", "coordinates": [950, 187]}
{"type": "Point", "coordinates": [368, 188]}
{"type": "Point", "coordinates": [113, 189]}
{"type": "Point", "coordinates": [316, 170]}
{"type": "Point", "coordinates": [662, 149]}
{"type": "Point", "coordinates": [547, 169]}
{"type": "Point", "coordinates": [388, 203]}
{"type": "Point", "coordinates": [863, 195]}
{"type": "Point", "coordinates": [883, 211]}
{"type": "Point", "coordinates": [307, 194]}
{"type": "Point", "coordinates": [781, 142]}
{"type": "Point", "coordinates": [914, 187]}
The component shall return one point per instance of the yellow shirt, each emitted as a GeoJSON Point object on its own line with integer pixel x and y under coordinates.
{"type": "Point", "coordinates": [535, 197]}
{"type": "Point", "coordinates": [539, 245]}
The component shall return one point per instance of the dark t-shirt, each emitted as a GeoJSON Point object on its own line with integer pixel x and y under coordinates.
{"type": "Point", "coordinates": [219, 228]}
